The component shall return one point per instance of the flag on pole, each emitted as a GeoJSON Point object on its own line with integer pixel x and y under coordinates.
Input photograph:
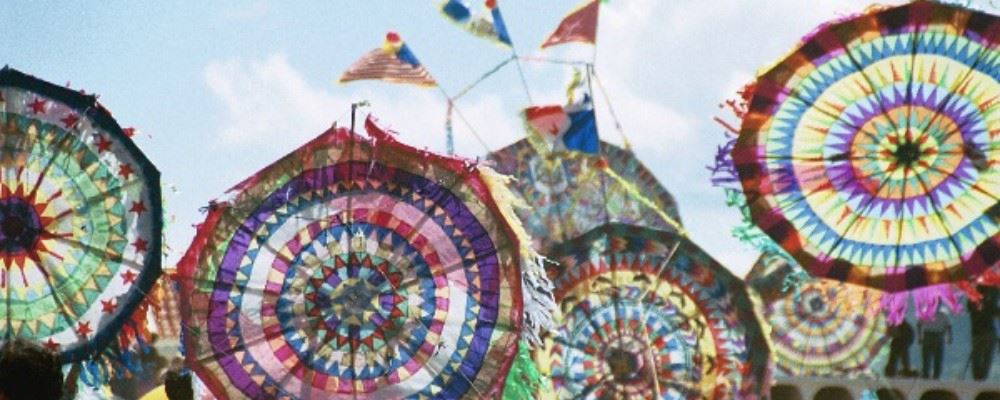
{"type": "Point", "coordinates": [393, 62]}
{"type": "Point", "coordinates": [579, 26]}
{"type": "Point", "coordinates": [492, 27]}
{"type": "Point", "coordinates": [572, 128]}
{"type": "Point", "coordinates": [582, 133]}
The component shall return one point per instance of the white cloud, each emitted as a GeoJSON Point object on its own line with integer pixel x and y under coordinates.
{"type": "Point", "coordinates": [269, 101]}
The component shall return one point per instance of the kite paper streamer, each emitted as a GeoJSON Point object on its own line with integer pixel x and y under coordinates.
{"type": "Point", "coordinates": [579, 25]}
{"type": "Point", "coordinates": [492, 27]}
{"type": "Point", "coordinates": [393, 62]}
{"type": "Point", "coordinates": [524, 380]}
{"type": "Point", "coordinates": [647, 314]}
{"type": "Point", "coordinates": [869, 153]}
{"type": "Point", "coordinates": [80, 224]}
{"type": "Point", "coordinates": [361, 268]}
{"type": "Point", "coordinates": [166, 309]}
{"type": "Point", "coordinates": [819, 327]}
{"type": "Point", "coordinates": [570, 193]}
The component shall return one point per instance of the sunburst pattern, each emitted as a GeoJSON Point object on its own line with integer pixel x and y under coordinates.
{"type": "Point", "coordinates": [79, 218]}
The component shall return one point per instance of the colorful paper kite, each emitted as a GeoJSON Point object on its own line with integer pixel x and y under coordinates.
{"type": "Point", "coordinates": [361, 268]}
{"type": "Point", "coordinates": [80, 220]}
{"type": "Point", "coordinates": [646, 314]}
{"type": "Point", "coordinates": [569, 193]}
{"type": "Point", "coordinates": [819, 327]}
{"type": "Point", "coordinates": [393, 62]}
{"type": "Point", "coordinates": [870, 153]}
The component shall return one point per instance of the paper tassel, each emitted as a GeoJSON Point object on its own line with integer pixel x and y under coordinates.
{"type": "Point", "coordinates": [926, 301]}
{"type": "Point", "coordinates": [121, 357]}
{"type": "Point", "coordinates": [523, 379]}
{"type": "Point", "coordinates": [536, 288]}
{"type": "Point", "coordinates": [725, 176]}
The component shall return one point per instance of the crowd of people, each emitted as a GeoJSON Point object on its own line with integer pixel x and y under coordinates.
{"type": "Point", "coordinates": [29, 371]}
{"type": "Point", "coordinates": [934, 334]}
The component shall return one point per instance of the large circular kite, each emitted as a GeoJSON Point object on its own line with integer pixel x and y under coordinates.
{"type": "Point", "coordinates": [357, 268]}
{"type": "Point", "coordinates": [647, 314]}
{"type": "Point", "coordinates": [80, 219]}
{"type": "Point", "coordinates": [870, 153]}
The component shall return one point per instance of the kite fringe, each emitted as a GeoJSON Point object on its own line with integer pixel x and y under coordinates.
{"type": "Point", "coordinates": [926, 301]}
{"type": "Point", "coordinates": [122, 358]}
{"type": "Point", "coordinates": [725, 176]}
{"type": "Point", "coordinates": [523, 379]}
{"type": "Point", "coordinates": [539, 303]}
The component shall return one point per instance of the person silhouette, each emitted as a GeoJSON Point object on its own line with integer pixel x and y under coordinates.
{"type": "Point", "coordinates": [932, 335]}
{"type": "Point", "coordinates": [28, 371]}
{"type": "Point", "coordinates": [982, 318]}
{"type": "Point", "coordinates": [899, 348]}
{"type": "Point", "coordinates": [178, 385]}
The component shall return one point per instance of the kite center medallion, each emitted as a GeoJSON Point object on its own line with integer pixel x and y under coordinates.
{"type": "Point", "coordinates": [625, 365]}
{"type": "Point", "coordinates": [907, 153]}
{"type": "Point", "coordinates": [355, 302]}
{"type": "Point", "coordinates": [816, 304]}
{"type": "Point", "coordinates": [20, 226]}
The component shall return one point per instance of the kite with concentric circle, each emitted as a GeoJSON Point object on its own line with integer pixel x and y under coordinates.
{"type": "Point", "coordinates": [647, 314]}
{"type": "Point", "coordinates": [358, 268]}
{"type": "Point", "coordinates": [870, 153]}
{"type": "Point", "coordinates": [80, 219]}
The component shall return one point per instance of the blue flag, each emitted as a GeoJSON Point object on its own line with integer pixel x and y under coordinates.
{"type": "Point", "coordinates": [489, 26]}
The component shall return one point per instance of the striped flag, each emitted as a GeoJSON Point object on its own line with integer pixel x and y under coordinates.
{"type": "Point", "coordinates": [491, 27]}
{"type": "Point", "coordinates": [393, 62]}
{"type": "Point", "coordinates": [579, 26]}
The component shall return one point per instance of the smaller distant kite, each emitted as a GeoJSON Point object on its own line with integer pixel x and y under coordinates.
{"type": "Point", "coordinates": [819, 327]}
{"type": "Point", "coordinates": [647, 314]}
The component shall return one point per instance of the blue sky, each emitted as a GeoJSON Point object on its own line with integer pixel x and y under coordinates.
{"type": "Point", "coordinates": [219, 89]}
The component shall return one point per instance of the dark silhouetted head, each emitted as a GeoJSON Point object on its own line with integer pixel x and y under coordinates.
{"type": "Point", "coordinates": [177, 383]}
{"type": "Point", "coordinates": [29, 372]}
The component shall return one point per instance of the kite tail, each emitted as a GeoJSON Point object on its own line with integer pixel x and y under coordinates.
{"type": "Point", "coordinates": [536, 287]}
{"type": "Point", "coordinates": [926, 301]}
{"type": "Point", "coordinates": [523, 380]}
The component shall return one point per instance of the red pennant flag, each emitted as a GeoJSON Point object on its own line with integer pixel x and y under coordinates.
{"type": "Point", "coordinates": [547, 120]}
{"type": "Point", "coordinates": [578, 26]}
